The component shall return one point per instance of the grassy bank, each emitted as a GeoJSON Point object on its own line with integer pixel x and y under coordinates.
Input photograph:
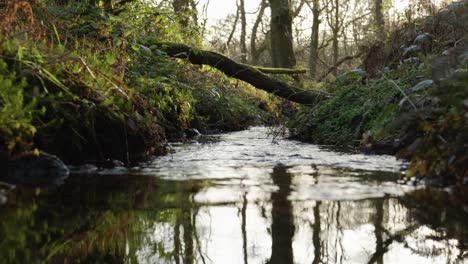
{"type": "Point", "coordinates": [76, 83]}
{"type": "Point", "coordinates": [414, 105]}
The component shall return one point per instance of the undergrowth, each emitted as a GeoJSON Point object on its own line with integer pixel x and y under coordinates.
{"type": "Point", "coordinates": [76, 82]}
{"type": "Point", "coordinates": [364, 105]}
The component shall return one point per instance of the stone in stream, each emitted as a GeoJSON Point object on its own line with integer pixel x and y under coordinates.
{"type": "Point", "coordinates": [37, 170]}
{"type": "Point", "coordinates": [192, 133]}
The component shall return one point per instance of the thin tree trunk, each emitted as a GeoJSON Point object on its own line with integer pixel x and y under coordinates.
{"type": "Point", "coordinates": [336, 31]}
{"type": "Point", "coordinates": [181, 8]}
{"type": "Point", "coordinates": [231, 34]}
{"type": "Point", "coordinates": [379, 19]}
{"type": "Point", "coordinates": [314, 39]}
{"type": "Point", "coordinates": [243, 46]}
{"type": "Point", "coordinates": [254, 53]}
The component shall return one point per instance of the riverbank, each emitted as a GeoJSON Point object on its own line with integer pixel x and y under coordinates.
{"type": "Point", "coordinates": [411, 100]}
{"type": "Point", "coordinates": [78, 84]}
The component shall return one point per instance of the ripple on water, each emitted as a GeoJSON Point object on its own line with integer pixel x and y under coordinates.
{"type": "Point", "coordinates": [250, 156]}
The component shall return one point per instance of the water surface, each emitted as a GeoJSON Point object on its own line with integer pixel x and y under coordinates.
{"type": "Point", "coordinates": [245, 199]}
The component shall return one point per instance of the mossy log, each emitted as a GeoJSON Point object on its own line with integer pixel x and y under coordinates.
{"type": "Point", "coordinates": [244, 72]}
{"type": "Point", "coordinates": [280, 70]}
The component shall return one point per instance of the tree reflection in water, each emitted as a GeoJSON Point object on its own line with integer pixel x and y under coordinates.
{"type": "Point", "coordinates": [282, 227]}
{"type": "Point", "coordinates": [147, 220]}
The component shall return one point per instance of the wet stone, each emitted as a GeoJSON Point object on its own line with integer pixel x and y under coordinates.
{"type": "Point", "coordinates": [3, 198]}
{"type": "Point", "coordinates": [83, 169]}
{"type": "Point", "coordinates": [465, 103]}
{"type": "Point", "coordinates": [42, 169]}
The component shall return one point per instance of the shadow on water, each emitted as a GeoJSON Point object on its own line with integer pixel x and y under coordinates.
{"type": "Point", "coordinates": [273, 214]}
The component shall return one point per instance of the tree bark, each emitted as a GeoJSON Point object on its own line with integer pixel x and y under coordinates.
{"type": "Point", "coordinates": [242, 72]}
{"type": "Point", "coordinates": [379, 19]}
{"type": "Point", "coordinates": [180, 8]}
{"type": "Point", "coordinates": [281, 34]}
{"type": "Point", "coordinates": [254, 52]}
{"type": "Point", "coordinates": [243, 31]}
{"type": "Point", "coordinates": [314, 39]}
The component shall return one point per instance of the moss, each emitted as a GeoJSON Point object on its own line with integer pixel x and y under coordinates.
{"type": "Point", "coordinates": [355, 109]}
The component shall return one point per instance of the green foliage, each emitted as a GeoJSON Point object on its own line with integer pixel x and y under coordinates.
{"type": "Point", "coordinates": [16, 130]}
{"type": "Point", "coordinates": [83, 85]}
{"type": "Point", "coordinates": [354, 109]}
{"type": "Point", "coordinates": [441, 150]}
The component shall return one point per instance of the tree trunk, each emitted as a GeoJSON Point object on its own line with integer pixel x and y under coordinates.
{"type": "Point", "coordinates": [242, 72]}
{"type": "Point", "coordinates": [231, 35]}
{"type": "Point", "coordinates": [281, 34]}
{"type": "Point", "coordinates": [379, 19]}
{"type": "Point", "coordinates": [314, 39]}
{"type": "Point", "coordinates": [254, 52]}
{"type": "Point", "coordinates": [336, 31]}
{"type": "Point", "coordinates": [180, 8]}
{"type": "Point", "coordinates": [243, 46]}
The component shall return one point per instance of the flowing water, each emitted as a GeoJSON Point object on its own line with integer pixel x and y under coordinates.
{"type": "Point", "coordinates": [245, 198]}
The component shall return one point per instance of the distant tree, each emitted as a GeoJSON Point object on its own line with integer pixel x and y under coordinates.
{"type": "Point", "coordinates": [281, 34]}
{"type": "Point", "coordinates": [254, 50]}
{"type": "Point", "coordinates": [314, 38]}
{"type": "Point", "coordinates": [186, 10]}
{"type": "Point", "coordinates": [379, 19]}
{"type": "Point", "coordinates": [243, 45]}
{"type": "Point", "coordinates": [181, 8]}
{"type": "Point", "coordinates": [335, 21]}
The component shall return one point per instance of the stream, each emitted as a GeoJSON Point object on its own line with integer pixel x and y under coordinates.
{"type": "Point", "coordinates": [246, 198]}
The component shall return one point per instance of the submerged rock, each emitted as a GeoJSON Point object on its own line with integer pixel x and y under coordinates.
{"type": "Point", "coordinates": [42, 169]}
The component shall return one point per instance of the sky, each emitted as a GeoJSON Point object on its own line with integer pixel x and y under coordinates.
{"type": "Point", "coordinates": [219, 9]}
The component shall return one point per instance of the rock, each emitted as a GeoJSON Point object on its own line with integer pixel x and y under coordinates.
{"type": "Point", "coordinates": [118, 163]}
{"type": "Point", "coordinates": [423, 85]}
{"type": "Point", "coordinates": [412, 51]}
{"type": "Point", "coordinates": [42, 169]}
{"type": "Point", "coordinates": [424, 40]}
{"type": "Point", "coordinates": [465, 103]}
{"type": "Point", "coordinates": [412, 60]}
{"type": "Point", "coordinates": [349, 77]}
{"type": "Point", "coordinates": [191, 141]}
{"type": "Point", "coordinates": [463, 58]}
{"type": "Point", "coordinates": [192, 133]}
{"type": "Point", "coordinates": [83, 169]}
{"type": "Point", "coordinates": [3, 198]}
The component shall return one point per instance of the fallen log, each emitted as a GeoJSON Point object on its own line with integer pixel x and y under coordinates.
{"type": "Point", "coordinates": [244, 72]}
{"type": "Point", "coordinates": [279, 70]}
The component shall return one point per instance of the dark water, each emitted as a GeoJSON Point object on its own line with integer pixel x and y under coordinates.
{"type": "Point", "coordinates": [245, 199]}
